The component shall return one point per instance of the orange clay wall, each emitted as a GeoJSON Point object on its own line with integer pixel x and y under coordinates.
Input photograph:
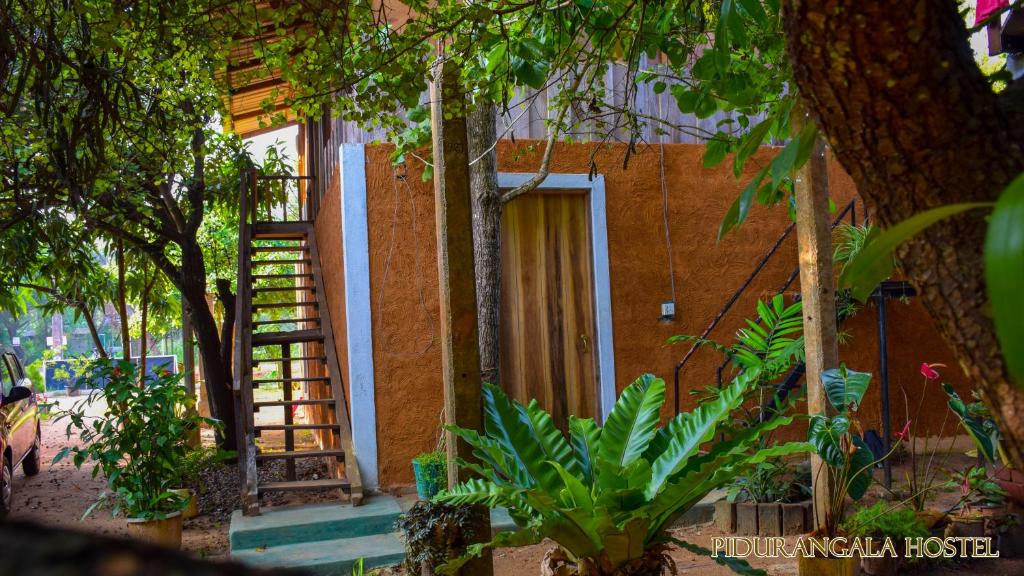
{"type": "Point", "coordinates": [403, 282]}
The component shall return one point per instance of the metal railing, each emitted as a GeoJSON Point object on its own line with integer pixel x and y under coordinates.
{"type": "Point", "coordinates": [850, 209]}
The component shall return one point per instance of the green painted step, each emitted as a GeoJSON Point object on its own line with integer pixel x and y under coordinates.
{"type": "Point", "coordinates": [328, 557]}
{"type": "Point", "coordinates": [315, 523]}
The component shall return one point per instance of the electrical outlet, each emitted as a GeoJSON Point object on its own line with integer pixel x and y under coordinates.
{"type": "Point", "coordinates": [668, 309]}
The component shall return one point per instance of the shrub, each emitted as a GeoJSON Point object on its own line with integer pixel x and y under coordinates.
{"type": "Point", "coordinates": [140, 441]}
{"type": "Point", "coordinates": [607, 495]}
{"type": "Point", "coordinates": [882, 521]}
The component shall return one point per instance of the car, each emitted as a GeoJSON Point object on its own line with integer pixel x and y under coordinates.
{"type": "Point", "coordinates": [20, 439]}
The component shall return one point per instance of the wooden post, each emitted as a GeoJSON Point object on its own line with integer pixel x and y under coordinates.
{"type": "Point", "coordinates": [460, 351]}
{"type": "Point", "coordinates": [817, 289]}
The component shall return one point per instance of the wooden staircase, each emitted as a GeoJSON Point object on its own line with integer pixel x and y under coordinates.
{"type": "Point", "coordinates": [282, 321]}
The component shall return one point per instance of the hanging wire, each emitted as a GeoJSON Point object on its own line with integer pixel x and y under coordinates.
{"type": "Point", "coordinates": [664, 202]}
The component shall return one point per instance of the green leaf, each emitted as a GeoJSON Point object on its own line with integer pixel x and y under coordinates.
{"type": "Point", "coordinates": [503, 421]}
{"type": "Point", "coordinates": [862, 469]}
{"type": "Point", "coordinates": [873, 263]}
{"type": "Point", "coordinates": [845, 388]}
{"type": "Point", "coordinates": [632, 422]}
{"type": "Point", "coordinates": [824, 434]}
{"type": "Point", "coordinates": [974, 426]}
{"type": "Point", "coordinates": [741, 207]}
{"type": "Point", "coordinates": [549, 438]}
{"type": "Point", "coordinates": [750, 142]}
{"type": "Point", "coordinates": [690, 430]}
{"type": "Point", "coordinates": [579, 493]}
{"type": "Point", "coordinates": [524, 537]}
{"type": "Point", "coordinates": [1004, 274]}
{"type": "Point", "coordinates": [715, 152]}
{"type": "Point", "coordinates": [584, 435]}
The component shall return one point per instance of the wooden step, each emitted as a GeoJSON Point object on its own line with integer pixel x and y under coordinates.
{"type": "Point", "coordinates": [289, 359]}
{"type": "Point", "coordinates": [310, 426]}
{"type": "Point", "coordinates": [296, 379]}
{"type": "Point", "coordinates": [310, 402]}
{"type": "Point", "coordinates": [299, 248]}
{"type": "Point", "coordinates": [282, 230]}
{"type": "Point", "coordinates": [289, 454]}
{"type": "Point", "coordinates": [285, 321]}
{"type": "Point", "coordinates": [259, 305]}
{"type": "Point", "coordinates": [258, 289]}
{"type": "Point", "coordinates": [281, 262]}
{"type": "Point", "coordinates": [256, 277]}
{"type": "Point", "coordinates": [287, 337]}
{"type": "Point", "coordinates": [327, 484]}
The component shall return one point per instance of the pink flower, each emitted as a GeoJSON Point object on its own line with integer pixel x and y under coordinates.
{"type": "Point", "coordinates": [929, 371]}
{"type": "Point", "coordinates": [902, 434]}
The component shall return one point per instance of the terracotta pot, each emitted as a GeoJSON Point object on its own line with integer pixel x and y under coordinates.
{"type": "Point", "coordinates": [192, 510]}
{"type": "Point", "coordinates": [966, 526]}
{"type": "Point", "coordinates": [818, 566]}
{"type": "Point", "coordinates": [166, 532]}
{"type": "Point", "coordinates": [930, 517]}
{"type": "Point", "coordinates": [884, 566]}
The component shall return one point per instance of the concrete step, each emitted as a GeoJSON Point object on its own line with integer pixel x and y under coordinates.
{"type": "Point", "coordinates": [328, 557]}
{"type": "Point", "coordinates": [284, 526]}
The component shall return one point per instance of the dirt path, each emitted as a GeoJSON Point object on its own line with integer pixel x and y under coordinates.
{"type": "Point", "coordinates": [61, 493]}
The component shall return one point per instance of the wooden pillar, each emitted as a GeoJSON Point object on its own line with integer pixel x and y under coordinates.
{"type": "Point", "coordinates": [460, 351]}
{"type": "Point", "coordinates": [817, 289]}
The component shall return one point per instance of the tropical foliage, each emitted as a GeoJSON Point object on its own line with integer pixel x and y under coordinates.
{"type": "Point", "coordinates": [139, 443]}
{"type": "Point", "coordinates": [607, 495]}
{"type": "Point", "coordinates": [836, 439]}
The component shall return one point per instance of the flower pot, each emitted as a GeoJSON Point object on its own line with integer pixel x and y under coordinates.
{"type": "Point", "coordinates": [929, 517]}
{"type": "Point", "coordinates": [725, 516]}
{"type": "Point", "coordinates": [165, 532]}
{"type": "Point", "coordinates": [797, 518]}
{"type": "Point", "coordinates": [746, 519]}
{"type": "Point", "coordinates": [966, 526]}
{"type": "Point", "coordinates": [883, 566]}
{"type": "Point", "coordinates": [192, 510]}
{"type": "Point", "coordinates": [818, 566]}
{"type": "Point", "coordinates": [431, 478]}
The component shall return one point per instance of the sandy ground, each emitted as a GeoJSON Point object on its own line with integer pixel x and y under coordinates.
{"type": "Point", "coordinates": [61, 493]}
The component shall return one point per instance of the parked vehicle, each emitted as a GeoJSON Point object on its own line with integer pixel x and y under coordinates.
{"type": "Point", "coordinates": [20, 441]}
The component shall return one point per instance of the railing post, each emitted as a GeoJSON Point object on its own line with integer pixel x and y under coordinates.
{"type": "Point", "coordinates": [242, 382]}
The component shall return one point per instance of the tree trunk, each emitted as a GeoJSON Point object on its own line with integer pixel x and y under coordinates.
{"type": "Point", "coordinates": [93, 332]}
{"type": "Point", "coordinates": [143, 328]}
{"type": "Point", "coordinates": [227, 327]}
{"type": "Point", "coordinates": [486, 205]}
{"type": "Point", "coordinates": [216, 365]}
{"type": "Point", "coordinates": [122, 304]}
{"type": "Point", "coordinates": [895, 89]}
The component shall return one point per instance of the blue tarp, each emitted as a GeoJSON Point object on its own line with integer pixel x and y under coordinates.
{"type": "Point", "coordinates": [61, 373]}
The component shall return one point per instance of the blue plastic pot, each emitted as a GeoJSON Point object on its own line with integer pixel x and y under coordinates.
{"type": "Point", "coordinates": [431, 478]}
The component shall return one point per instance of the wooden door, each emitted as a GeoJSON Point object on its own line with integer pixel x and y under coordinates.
{"type": "Point", "coordinates": [547, 312]}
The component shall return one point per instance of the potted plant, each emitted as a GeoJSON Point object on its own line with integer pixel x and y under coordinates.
{"type": "Point", "coordinates": [137, 444]}
{"type": "Point", "coordinates": [771, 500]}
{"type": "Point", "coordinates": [434, 533]}
{"type": "Point", "coordinates": [925, 464]}
{"type": "Point", "coordinates": [431, 472]}
{"type": "Point", "coordinates": [884, 521]}
{"type": "Point", "coordinates": [848, 462]}
{"type": "Point", "coordinates": [607, 495]}
{"type": "Point", "coordinates": [981, 502]}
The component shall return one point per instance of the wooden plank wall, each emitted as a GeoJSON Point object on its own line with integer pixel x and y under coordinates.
{"type": "Point", "coordinates": [525, 116]}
